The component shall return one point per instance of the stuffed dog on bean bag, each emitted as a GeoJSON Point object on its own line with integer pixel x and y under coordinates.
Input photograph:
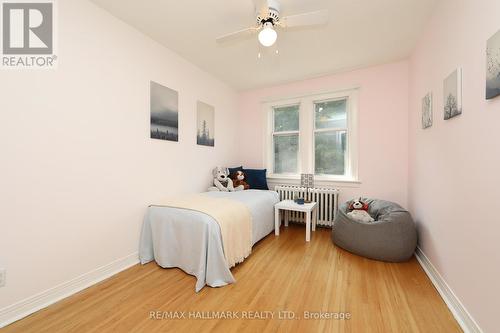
{"type": "Point", "coordinates": [359, 211]}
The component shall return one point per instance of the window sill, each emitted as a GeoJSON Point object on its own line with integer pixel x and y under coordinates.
{"type": "Point", "coordinates": [318, 180]}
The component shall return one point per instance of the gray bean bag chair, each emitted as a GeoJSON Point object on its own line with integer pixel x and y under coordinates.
{"type": "Point", "coordinates": [392, 237]}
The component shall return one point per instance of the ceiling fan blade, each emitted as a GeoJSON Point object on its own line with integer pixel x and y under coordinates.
{"type": "Point", "coordinates": [319, 17]}
{"type": "Point", "coordinates": [261, 7]}
{"type": "Point", "coordinates": [236, 35]}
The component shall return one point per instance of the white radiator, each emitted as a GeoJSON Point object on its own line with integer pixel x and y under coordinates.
{"type": "Point", "coordinates": [327, 199]}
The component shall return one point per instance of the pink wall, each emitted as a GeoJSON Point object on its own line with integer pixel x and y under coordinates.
{"type": "Point", "coordinates": [77, 167]}
{"type": "Point", "coordinates": [453, 174]}
{"type": "Point", "coordinates": [383, 126]}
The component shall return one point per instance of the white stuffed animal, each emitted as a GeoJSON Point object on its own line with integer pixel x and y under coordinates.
{"type": "Point", "coordinates": [222, 182]}
{"type": "Point", "coordinates": [359, 211]}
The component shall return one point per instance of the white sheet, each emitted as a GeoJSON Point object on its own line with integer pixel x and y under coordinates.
{"type": "Point", "coordinates": [191, 240]}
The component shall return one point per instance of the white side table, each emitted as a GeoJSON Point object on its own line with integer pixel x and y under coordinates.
{"type": "Point", "coordinates": [290, 205]}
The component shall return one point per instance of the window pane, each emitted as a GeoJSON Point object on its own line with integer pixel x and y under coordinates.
{"type": "Point", "coordinates": [331, 114]}
{"type": "Point", "coordinates": [286, 148]}
{"type": "Point", "coordinates": [329, 153]}
{"type": "Point", "coordinates": [286, 118]}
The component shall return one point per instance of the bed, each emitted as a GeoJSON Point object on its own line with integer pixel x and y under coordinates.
{"type": "Point", "coordinates": [191, 240]}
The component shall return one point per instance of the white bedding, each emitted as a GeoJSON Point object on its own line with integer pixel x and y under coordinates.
{"type": "Point", "coordinates": [191, 240]}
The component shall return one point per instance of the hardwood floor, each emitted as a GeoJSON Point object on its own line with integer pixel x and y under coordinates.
{"type": "Point", "coordinates": [283, 274]}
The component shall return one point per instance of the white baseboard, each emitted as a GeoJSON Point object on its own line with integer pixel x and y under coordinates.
{"type": "Point", "coordinates": [463, 317]}
{"type": "Point", "coordinates": [39, 301]}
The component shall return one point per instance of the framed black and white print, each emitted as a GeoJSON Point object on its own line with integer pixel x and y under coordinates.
{"type": "Point", "coordinates": [205, 135]}
{"type": "Point", "coordinates": [427, 111]}
{"type": "Point", "coordinates": [493, 66]}
{"type": "Point", "coordinates": [164, 110]}
{"type": "Point", "coordinates": [453, 94]}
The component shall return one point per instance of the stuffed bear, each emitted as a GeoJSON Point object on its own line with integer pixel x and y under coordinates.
{"type": "Point", "coordinates": [222, 182]}
{"type": "Point", "coordinates": [239, 180]}
{"type": "Point", "coordinates": [359, 211]}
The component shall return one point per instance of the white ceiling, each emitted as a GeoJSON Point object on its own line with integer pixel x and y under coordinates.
{"type": "Point", "coordinates": [360, 33]}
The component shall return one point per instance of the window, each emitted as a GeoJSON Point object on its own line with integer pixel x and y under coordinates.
{"type": "Point", "coordinates": [286, 139]}
{"type": "Point", "coordinates": [313, 134]}
{"type": "Point", "coordinates": [330, 136]}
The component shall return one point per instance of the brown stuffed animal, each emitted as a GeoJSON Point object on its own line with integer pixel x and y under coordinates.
{"type": "Point", "coordinates": [239, 179]}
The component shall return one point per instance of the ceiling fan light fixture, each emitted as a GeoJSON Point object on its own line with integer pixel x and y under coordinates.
{"type": "Point", "coordinates": [267, 36]}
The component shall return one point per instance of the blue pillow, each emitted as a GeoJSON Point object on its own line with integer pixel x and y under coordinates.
{"type": "Point", "coordinates": [256, 178]}
{"type": "Point", "coordinates": [233, 170]}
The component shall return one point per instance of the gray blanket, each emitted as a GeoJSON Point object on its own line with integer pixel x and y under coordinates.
{"type": "Point", "coordinates": [191, 240]}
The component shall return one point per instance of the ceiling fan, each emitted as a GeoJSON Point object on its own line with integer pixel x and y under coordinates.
{"type": "Point", "coordinates": [268, 20]}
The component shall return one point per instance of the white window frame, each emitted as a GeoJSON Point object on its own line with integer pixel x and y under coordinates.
{"type": "Point", "coordinates": [307, 131]}
{"type": "Point", "coordinates": [273, 134]}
